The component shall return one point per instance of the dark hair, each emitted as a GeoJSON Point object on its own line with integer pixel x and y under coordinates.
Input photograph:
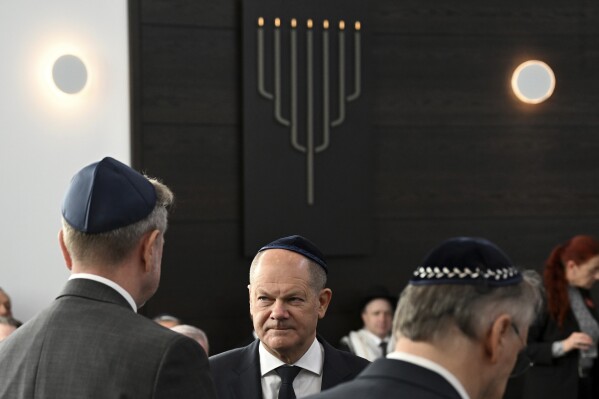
{"type": "Point", "coordinates": [579, 249]}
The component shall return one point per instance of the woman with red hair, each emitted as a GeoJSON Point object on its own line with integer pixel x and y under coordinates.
{"type": "Point", "coordinates": [562, 343]}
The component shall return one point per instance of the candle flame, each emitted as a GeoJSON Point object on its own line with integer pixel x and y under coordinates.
{"type": "Point", "coordinates": [341, 25]}
{"type": "Point", "coordinates": [260, 22]}
{"type": "Point", "coordinates": [309, 24]}
{"type": "Point", "coordinates": [277, 22]}
{"type": "Point", "coordinates": [293, 23]}
{"type": "Point", "coordinates": [358, 25]}
{"type": "Point", "coordinates": [325, 24]}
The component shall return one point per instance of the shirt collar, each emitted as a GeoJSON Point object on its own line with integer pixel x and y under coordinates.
{"type": "Point", "coordinates": [312, 360]}
{"type": "Point", "coordinates": [428, 364]}
{"type": "Point", "coordinates": [374, 338]}
{"type": "Point", "coordinates": [109, 283]}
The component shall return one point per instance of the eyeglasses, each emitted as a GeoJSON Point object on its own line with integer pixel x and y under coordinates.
{"type": "Point", "coordinates": [523, 362]}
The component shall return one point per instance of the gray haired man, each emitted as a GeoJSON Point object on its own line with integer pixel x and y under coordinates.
{"type": "Point", "coordinates": [90, 342]}
{"type": "Point", "coordinates": [461, 325]}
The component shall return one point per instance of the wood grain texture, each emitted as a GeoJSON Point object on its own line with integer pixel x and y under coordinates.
{"type": "Point", "coordinates": [190, 75]}
{"type": "Point", "coordinates": [412, 17]}
{"type": "Point", "coordinates": [509, 17]}
{"type": "Point", "coordinates": [202, 164]}
{"type": "Point", "coordinates": [203, 13]}
{"type": "Point", "coordinates": [499, 172]}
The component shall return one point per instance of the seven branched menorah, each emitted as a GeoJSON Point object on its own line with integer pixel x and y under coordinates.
{"type": "Point", "coordinates": [310, 148]}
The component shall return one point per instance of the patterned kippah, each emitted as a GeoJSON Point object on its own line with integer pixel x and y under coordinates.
{"type": "Point", "coordinates": [466, 260]}
{"type": "Point", "coordinates": [300, 245]}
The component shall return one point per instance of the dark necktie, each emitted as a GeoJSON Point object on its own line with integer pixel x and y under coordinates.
{"type": "Point", "coordinates": [287, 374]}
{"type": "Point", "coordinates": [383, 346]}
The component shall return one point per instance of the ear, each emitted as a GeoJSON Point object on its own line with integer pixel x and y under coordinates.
{"type": "Point", "coordinates": [495, 338]}
{"type": "Point", "coordinates": [150, 249]}
{"type": "Point", "coordinates": [324, 298]}
{"type": "Point", "coordinates": [65, 252]}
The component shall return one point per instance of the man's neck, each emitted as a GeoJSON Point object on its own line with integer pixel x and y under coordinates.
{"type": "Point", "coordinates": [120, 274]}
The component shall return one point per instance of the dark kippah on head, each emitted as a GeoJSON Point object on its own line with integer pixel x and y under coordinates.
{"type": "Point", "coordinates": [300, 245]}
{"type": "Point", "coordinates": [466, 260]}
{"type": "Point", "coordinates": [378, 292]}
{"type": "Point", "coordinates": [107, 195]}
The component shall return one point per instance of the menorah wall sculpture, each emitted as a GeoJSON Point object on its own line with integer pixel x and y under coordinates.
{"type": "Point", "coordinates": [310, 147]}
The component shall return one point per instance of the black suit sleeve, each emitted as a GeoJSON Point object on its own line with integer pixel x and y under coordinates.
{"type": "Point", "coordinates": [539, 348]}
{"type": "Point", "coordinates": [184, 372]}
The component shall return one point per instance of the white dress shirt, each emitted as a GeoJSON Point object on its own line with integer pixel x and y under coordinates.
{"type": "Point", "coordinates": [307, 382]}
{"type": "Point", "coordinates": [109, 283]}
{"type": "Point", "coordinates": [365, 344]}
{"type": "Point", "coordinates": [428, 364]}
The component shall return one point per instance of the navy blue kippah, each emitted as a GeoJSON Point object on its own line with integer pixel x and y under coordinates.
{"type": "Point", "coordinates": [378, 292]}
{"type": "Point", "coordinates": [466, 260]}
{"type": "Point", "coordinates": [300, 245]}
{"type": "Point", "coordinates": [107, 195]}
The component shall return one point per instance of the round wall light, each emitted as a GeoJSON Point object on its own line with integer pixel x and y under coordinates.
{"type": "Point", "coordinates": [533, 82]}
{"type": "Point", "coordinates": [69, 74]}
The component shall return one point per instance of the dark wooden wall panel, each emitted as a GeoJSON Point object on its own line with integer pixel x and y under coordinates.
{"type": "Point", "coordinates": [464, 171]}
{"type": "Point", "coordinates": [511, 17]}
{"type": "Point", "coordinates": [205, 13]}
{"type": "Point", "coordinates": [465, 80]}
{"type": "Point", "coordinates": [190, 75]}
{"type": "Point", "coordinates": [202, 164]}
{"type": "Point", "coordinates": [454, 152]}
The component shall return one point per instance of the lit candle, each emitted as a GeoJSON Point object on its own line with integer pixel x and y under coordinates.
{"type": "Point", "coordinates": [309, 114]}
{"type": "Point", "coordinates": [325, 88]}
{"type": "Point", "coordinates": [293, 99]}
{"type": "Point", "coordinates": [277, 55]}
{"type": "Point", "coordinates": [341, 74]}
{"type": "Point", "coordinates": [260, 60]}
{"type": "Point", "coordinates": [357, 62]}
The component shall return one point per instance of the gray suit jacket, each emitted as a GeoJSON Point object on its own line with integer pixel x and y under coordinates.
{"type": "Point", "coordinates": [393, 379]}
{"type": "Point", "coordinates": [236, 373]}
{"type": "Point", "coordinates": [90, 344]}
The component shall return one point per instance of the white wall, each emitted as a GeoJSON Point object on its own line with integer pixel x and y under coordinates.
{"type": "Point", "coordinates": [46, 136]}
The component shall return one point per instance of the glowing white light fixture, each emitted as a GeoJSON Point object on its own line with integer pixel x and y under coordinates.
{"type": "Point", "coordinates": [533, 82]}
{"type": "Point", "coordinates": [69, 74]}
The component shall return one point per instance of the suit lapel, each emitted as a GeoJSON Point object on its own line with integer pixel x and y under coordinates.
{"type": "Point", "coordinates": [334, 369]}
{"type": "Point", "coordinates": [247, 382]}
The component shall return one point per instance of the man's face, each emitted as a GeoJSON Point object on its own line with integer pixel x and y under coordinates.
{"type": "Point", "coordinates": [377, 317]}
{"type": "Point", "coordinates": [5, 306]}
{"type": "Point", "coordinates": [285, 309]}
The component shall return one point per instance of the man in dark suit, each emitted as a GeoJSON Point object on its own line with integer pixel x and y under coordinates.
{"type": "Point", "coordinates": [288, 296]}
{"type": "Point", "coordinates": [460, 325]}
{"type": "Point", "coordinates": [91, 343]}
